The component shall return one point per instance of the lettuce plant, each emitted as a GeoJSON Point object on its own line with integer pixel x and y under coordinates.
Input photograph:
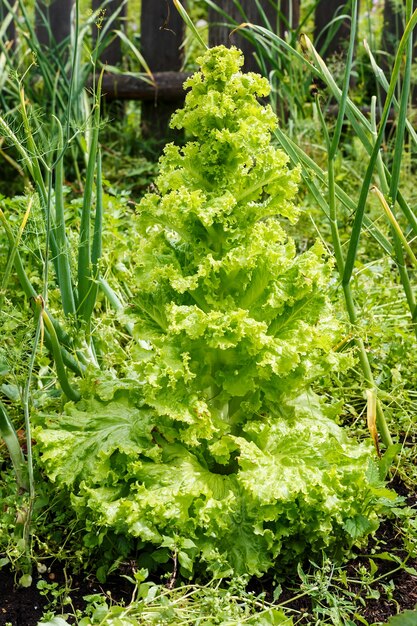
{"type": "Point", "coordinates": [213, 448]}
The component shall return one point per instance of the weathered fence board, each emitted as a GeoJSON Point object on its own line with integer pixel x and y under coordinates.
{"type": "Point", "coordinates": [325, 13]}
{"type": "Point", "coordinates": [391, 33]}
{"type": "Point", "coordinates": [112, 55]}
{"type": "Point", "coordinates": [162, 33]}
{"type": "Point", "coordinates": [53, 21]}
{"type": "Point", "coordinates": [10, 29]}
{"type": "Point", "coordinates": [168, 87]}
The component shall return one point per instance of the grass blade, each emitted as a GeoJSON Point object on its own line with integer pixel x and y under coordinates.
{"type": "Point", "coordinates": [84, 246]}
{"type": "Point", "coordinates": [381, 78]}
{"type": "Point", "coordinates": [63, 263]}
{"type": "Point", "coordinates": [402, 116]}
{"type": "Point", "coordinates": [11, 440]}
{"type": "Point", "coordinates": [137, 54]}
{"type": "Point", "coordinates": [346, 82]}
{"type": "Point", "coordinates": [188, 21]}
{"type": "Point", "coordinates": [299, 157]}
{"type": "Point", "coordinates": [98, 222]}
{"type": "Point", "coordinates": [395, 225]}
{"type": "Point", "coordinates": [97, 243]}
{"type": "Point", "coordinates": [13, 251]}
{"type": "Point", "coordinates": [59, 363]}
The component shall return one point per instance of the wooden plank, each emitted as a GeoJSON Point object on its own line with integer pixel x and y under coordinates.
{"type": "Point", "coordinates": [162, 33]}
{"type": "Point", "coordinates": [289, 15]}
{"type": "Point", "coordinates": [11, 29]}
{"type": "Point", "coordinates": [325, 12]}
{"type": "Point", "coordinates": [168, 87]}
{"type": "Point", "coordinates": [281, 16]}
{"type": "Point", "coordinates": [112, 55]}
{"type": "Point", "coordinates": [53, 21]}
{"type": "Point", "coordinates": [394, 24]}
{"type": "Point", "coordinates": [391, 35]}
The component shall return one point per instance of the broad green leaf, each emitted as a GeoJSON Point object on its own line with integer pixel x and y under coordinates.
{"type": "Point", "coordinates": [407, 618]}
{"type": "Point", "coordinates": [96, 438]}
{"type": "Point", "coordinates": [358, 526]}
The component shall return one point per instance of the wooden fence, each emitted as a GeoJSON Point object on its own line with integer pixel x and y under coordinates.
{"type": "Point", "coordinates": [161, 35]}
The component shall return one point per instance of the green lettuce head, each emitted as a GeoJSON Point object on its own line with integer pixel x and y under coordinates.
{"type": "Point", "coordinates": [214, 448]}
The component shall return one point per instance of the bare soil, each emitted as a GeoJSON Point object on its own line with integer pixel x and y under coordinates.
{"type": "Point", "coordinates": [25, 606]}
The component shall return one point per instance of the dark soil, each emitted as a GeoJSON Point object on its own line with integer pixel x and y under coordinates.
{"type": "Point", "coordinates": [25, 607]}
